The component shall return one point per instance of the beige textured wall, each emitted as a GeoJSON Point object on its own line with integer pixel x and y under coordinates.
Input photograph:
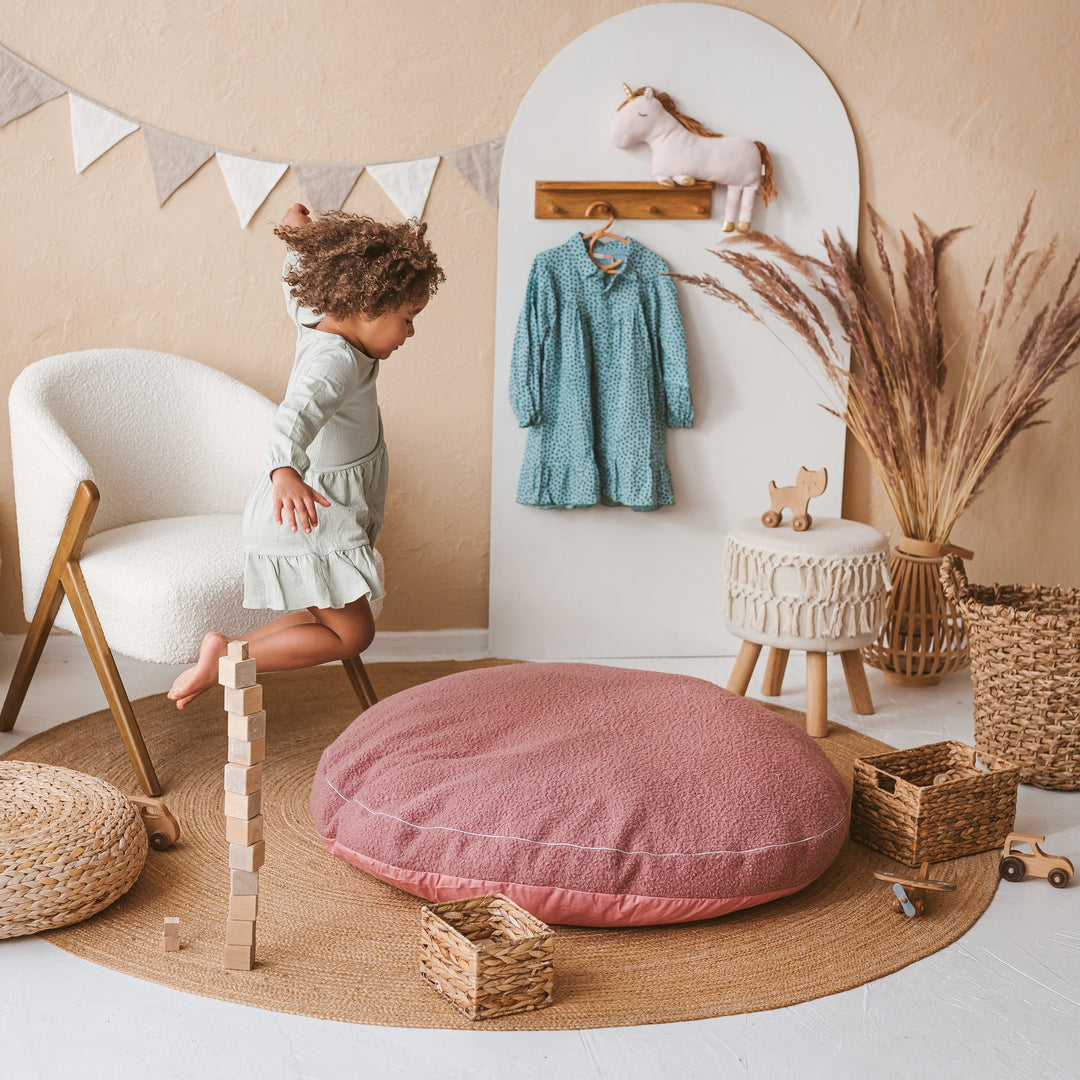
{"type": "Point", "coordinates": [961, 109]}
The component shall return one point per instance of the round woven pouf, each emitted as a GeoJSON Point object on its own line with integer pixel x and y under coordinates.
{"type": "Point", "coordinates": [70, 844]}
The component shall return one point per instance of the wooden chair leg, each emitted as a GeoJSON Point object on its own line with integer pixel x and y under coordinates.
{"type": "Point", "coordinates": [66, 578]}
{"type": "Point", "coordinates": [749, 652]}
{"type": "Point", "coordinates": [858, 689]}
{"type": "Point", "coordinates": [361, 683]}
{"type": "Point", "coordinates": [817, 694]}
{"type": "Point", "coordinates": [775, 667]}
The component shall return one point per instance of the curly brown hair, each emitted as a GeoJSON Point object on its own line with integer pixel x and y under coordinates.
{"type": "Point", "coordinates": [354, 265]}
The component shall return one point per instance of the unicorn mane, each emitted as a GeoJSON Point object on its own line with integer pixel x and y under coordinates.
{"type": "Point", "coordinates": [688, 122]}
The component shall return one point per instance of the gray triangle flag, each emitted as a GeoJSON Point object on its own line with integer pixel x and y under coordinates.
{"type": "Point", "coordinates": [480, 164]}
{"type": "Point", "coordinates": [172, 159]}
{"type": "Point", "coordinates": [326, 187]}
{"type": "Point", "coordinates": [23, 87]}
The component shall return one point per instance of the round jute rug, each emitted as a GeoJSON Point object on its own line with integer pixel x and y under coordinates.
{"type": "Point", "coordinates": [337, 944]}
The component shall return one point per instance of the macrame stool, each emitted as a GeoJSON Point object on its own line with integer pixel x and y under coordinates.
{"type": "Point", "coordinates": [819, 591]}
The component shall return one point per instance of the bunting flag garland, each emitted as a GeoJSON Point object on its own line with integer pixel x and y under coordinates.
{"type": "Point", "coordinates": [174, 159]}
{"type": "Point", "coordinates": [94, 130]}
{"type": "Point", "coordinates": [326, 187]}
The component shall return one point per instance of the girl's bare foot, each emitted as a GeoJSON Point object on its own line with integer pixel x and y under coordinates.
{"type": "Point", "coordinates": [191, 683]}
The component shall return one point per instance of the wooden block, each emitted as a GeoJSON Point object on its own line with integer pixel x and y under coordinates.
{"type": "Point", "coordinates": [238, 650]}
{"type": "Point", "coordinates": [243, 882]}
{"type": "Point", "coordinates": [236, 674]}
{"type": "Point", "coordinates": [247, 856]}
{"type": "Point", "coordinates": [243, 806]}
{"type": "Point", "coordinates": [171, 927]}
{"type": "Point", "coordinates": [250, 726]}
{"type": "Point", "coordinates": [244, 830]}
{"type": "Point", "coordinates": [240, 932]}
{"type": "Point", "coordinates": [170, 942]}
{"type": "Point", "coordinates": [239, 957]}
{"type": "Point", "coordinates": [243, 779]}
{"type": "Point", "coordinates": [244, 907]}
{"type": "Point", "coordinates": [245, 700]}
{"type": "Point", "coordinates": [247, 751]}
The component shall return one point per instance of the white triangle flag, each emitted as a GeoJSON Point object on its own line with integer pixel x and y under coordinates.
{"type": "Point", "coordinates": [408, 183]}
{"type": "Point", "coordinates": [481, 164]}
{"type": "Point", "coordinates": [172, 159]}
{"type": "Point", "coordinates": [94, 130]}
{"type": "Point", "coordinates": [23, 87]}
{"type": "Point", "coordinates": [249, 181]}
{"type": "Point", "coordinates": [326, 187]}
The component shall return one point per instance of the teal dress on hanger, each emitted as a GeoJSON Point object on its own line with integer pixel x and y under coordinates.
{"type": "Point", "coordinates": [598, 375]}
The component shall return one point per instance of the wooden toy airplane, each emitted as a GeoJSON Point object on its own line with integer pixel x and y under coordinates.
{"type": "Point", "coordinates": [912, 903]}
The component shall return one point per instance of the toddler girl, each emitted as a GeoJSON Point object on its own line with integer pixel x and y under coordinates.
{"type": "Point", "coordinates": [353, 286]}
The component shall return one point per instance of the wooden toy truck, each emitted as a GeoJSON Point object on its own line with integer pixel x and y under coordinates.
{"type": "Point", "coordinates": [1016, 864]}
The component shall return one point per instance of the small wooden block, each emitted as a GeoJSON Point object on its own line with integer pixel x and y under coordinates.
{"type": "Point", "coordinates": [251, 726]}
{"type": "Point", "coordinates": [247, 856]}
{"type": "Point", "coordinates": [243, 779]}
{"type": "Point", "coordinates": [239, 957]}
{"type": "Point", "coordinates": [171, 926]}
{"type": "Point", "coordinates": [245, 907]}
{"type": "Point", "coordinates": [238, 650]}
{"type": "Point", "coordinates": [244, 830]}
{"type": "Point", "coordinates": [236, 674]}
{"type": "Point", "coordinates": [243, 806]}
{"type": "Point", "coordinates": [245, 700]}
{"type": "Point", "coordinates": [240, 932]}
{"type": "Point", "coordinates": [247, 751]}
{"type": "Point", "coordinates": [243, 882]}
{"type": "Point", "coordinates": [170, 942]}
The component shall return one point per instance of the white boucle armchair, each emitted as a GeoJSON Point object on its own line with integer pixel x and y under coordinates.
{"type": "Point", "coordinates": [170, 448]}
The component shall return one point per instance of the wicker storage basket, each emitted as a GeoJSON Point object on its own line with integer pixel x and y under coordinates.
{"type": "Point", "coordinates": [70, 844]}
{"type": "Point", "coordinates": [1025, 670]}
{"type": "Point", "coordinates": [933, 802]}
{"type": "Point", "coordinates": [487, 956]}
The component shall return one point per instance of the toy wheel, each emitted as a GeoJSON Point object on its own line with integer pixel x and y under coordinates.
{"type": "Point", "coordinates": [802, 523]}
{"type": "Point", "coordinates": [1012, 868]}
{"type": "Point", "coordinates": [1058, 878]}
{"type": "Point", "coordinates": [160, 841]}
{"type": "Point", "coordinates": [770, 519]}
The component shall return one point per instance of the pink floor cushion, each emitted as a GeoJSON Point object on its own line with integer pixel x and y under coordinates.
{"type": "Point", "coordinates": [594, 796]}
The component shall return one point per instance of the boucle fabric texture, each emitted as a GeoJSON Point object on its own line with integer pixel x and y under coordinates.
{"type": "Point", "coordinates": [590, 795]}
{"type": "Point", "coordinates": [821, 590]}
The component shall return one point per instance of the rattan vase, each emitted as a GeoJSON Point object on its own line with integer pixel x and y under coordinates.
{"type": "Point", "coordinates": [923, 637]}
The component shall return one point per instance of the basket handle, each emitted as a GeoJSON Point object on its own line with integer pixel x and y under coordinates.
{"type": "Point", "coordinates": [953, 579]}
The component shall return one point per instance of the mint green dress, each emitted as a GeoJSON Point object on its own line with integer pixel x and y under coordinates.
{"type": "Point", "coordinates": [328, 428]}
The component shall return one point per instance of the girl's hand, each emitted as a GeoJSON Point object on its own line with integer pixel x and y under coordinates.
{"type": "Point", "coordinates": [294, 500]}
{"type": "Point", "coordinates": [297, 214]}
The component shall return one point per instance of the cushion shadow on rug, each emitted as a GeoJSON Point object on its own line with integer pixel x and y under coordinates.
{"type": "Point", "coordinates": [337, 944]}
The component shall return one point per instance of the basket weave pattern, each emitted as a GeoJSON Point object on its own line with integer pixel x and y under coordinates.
{"type": "Point", "coordinates": [1025, 670]}
{"type": "Point", "coordinates": [487, 956]}
{"type": "Point", "coordinates": [933, 802]}
{"type": "Point", "coordinates": [70, 844]}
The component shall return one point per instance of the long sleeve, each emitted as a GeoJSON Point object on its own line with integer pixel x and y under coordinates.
{"type": "Point", "coordinates": [667, 331]}
{"type": "Point", "coordinates": [315, 393]}
{"type": "Point", "coordinates": [526, 366]}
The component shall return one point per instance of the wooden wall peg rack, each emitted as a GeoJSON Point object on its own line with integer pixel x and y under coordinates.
{"type": "Point", "coordinates": [625, 199]}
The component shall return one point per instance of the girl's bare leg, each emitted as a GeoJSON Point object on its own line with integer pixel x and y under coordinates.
{"type": "Point", "coordinates": [299, 640]}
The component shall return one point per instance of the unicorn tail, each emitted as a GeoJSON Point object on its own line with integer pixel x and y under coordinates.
{"type": "Point", "coordinates": [768, 188]}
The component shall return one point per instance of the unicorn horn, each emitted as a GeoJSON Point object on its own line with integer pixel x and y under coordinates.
{"type": "Point", "coordinates": [629, 92]}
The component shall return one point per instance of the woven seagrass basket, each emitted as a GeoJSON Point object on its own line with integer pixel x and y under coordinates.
{"type": "Point", "coordinates": [487, 956]}
{"type": "Point", "coordinates": [1025, 671]}
{"type": "Point", "coordinates": [934, 802]}
{"type": "Point", "coordinates": [70, 844]}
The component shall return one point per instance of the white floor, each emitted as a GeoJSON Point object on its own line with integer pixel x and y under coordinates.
{"type": "Point", "coordinates": [1003, 1001]}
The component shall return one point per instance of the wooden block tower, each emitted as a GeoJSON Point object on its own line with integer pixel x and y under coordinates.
{"type": "Point", "coordinates": [243, 801]}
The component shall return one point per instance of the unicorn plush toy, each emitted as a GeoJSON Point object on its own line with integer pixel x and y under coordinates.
{"type": "Point", "coordinates": [685, 151]}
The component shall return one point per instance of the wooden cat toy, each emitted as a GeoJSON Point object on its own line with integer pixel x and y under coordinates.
{"type": "Point", "coordinates": [796, 499]}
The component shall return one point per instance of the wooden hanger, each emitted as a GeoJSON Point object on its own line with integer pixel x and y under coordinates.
{"type": "Point", "coordinates": [603, 233]}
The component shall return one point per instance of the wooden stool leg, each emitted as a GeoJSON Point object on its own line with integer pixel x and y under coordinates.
{"type": "Point", "coordinates": [817, 694]}
{"type": "Point", "coordinates": [749, 652]}
{"type": "Point", "coordinates": [857, 687]}
{"type": "Point", "coordinates": [775, 667]}
{"type": "Point", "coordinates": [361, 683]}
